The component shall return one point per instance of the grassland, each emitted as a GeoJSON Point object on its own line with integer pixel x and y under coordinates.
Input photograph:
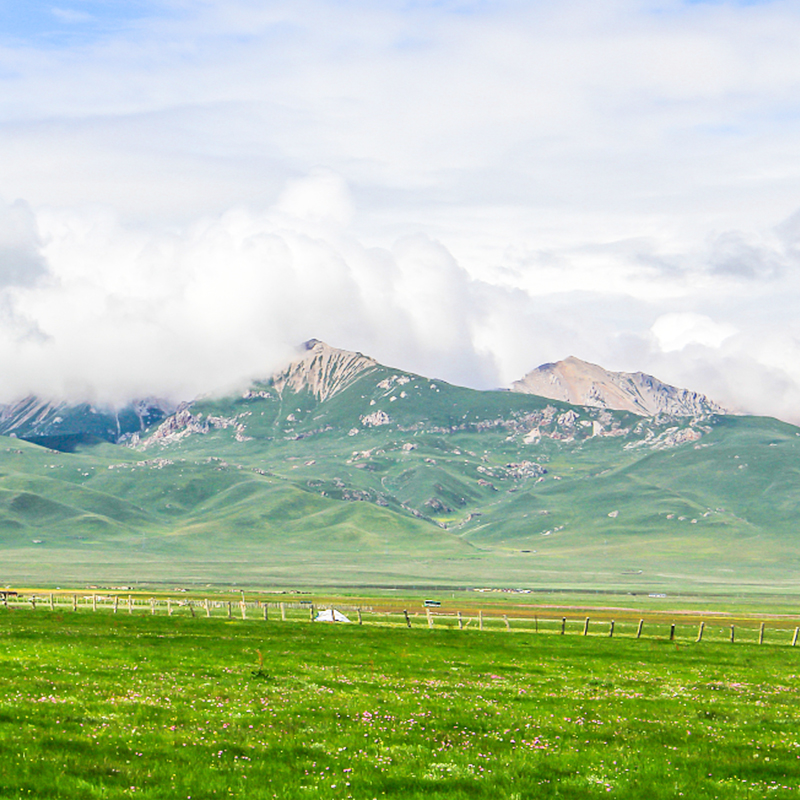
{"type": "Point", "coordinates": [116, 705]}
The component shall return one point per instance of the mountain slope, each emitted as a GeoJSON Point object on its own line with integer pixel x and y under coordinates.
{"type": "Point", "coordinates": [584, 384]}
{"type": "Point", "coordinates": [64, 426]}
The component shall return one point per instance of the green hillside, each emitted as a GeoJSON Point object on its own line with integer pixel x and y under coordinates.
{"type": "Point", "coordinates": [397, 480]}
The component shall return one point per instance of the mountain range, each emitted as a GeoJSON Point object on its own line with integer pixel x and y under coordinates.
{"type": "Point", "coordinates": [326, 371]}
{"type": "Point", "coordinates": [338, 470]}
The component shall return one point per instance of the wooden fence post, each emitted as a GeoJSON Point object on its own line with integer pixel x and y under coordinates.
{"type": "Point", "coordinates": [74, 602]}
{"type": "Point", "coordinates": [152, 605]}
{"type": "Point", "coordinates": [611, 629]}
{"type": "Point", "coordinates": [732, 634]}
{"type": "Point", "coordinates": [130, 604]}
{"type": "Point", "coordinates": [408, 620]}
{"type": "Point", "coordinates": [563, 625]}
{"type": "Point", "coordinates": [794, 638]}
{"type": "Point", "coordinates": [94, 602]}
{"type": "Point", "coordinates": [460, 622]}
{"type": "Point", "coordinates": [230, 610]}
{"type": "Point", "coordinates": [33, 602]}
{"type": "Point", "coordinates": [116, 603]}
{"type": "Point", "coordinates": [672, 632]}
{"type": "Point", "coordinates": [360, 621]}
{"type": "Point", "coordinates": [430, 618]}
{"type": "Point", "coordinates": [265, 606]}
{"type": "Point", "coordinates": [191, 608]}
{"type": "Point", "coordinates": [52, 604]}
{"type": "Point", "coordinates": [208, 607]}
{"type": "Point", "coordinates": [586, 627]}
{"type": "Point", "coordinates": [639, 629]}
{"type": "Point", "coordinates": [283, 612]}
{"type": "Point", "coordinates": [243, 608]}
{"type": "Point", "coordinates": [480, 620]}
{"type": "Point", "coordinates": [508, 624]}
{"type": "Point", "coordinates": [761, 634]}
{"type": "Point", "coordinates": [169, 606]}
{"type": "Point", "coordinates": [700, 632]}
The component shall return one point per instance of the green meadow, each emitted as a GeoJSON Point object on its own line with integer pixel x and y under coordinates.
{"type": "Point", "coordinates": [116, 705]}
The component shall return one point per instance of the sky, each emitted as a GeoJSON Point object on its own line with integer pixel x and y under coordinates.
{"type": "Point", "coordinates": [460, 188]}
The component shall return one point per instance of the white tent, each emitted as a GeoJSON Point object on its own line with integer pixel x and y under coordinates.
{"type": "Point", "coordinates": [331, 615]}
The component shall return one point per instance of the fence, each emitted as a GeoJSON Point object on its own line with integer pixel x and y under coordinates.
{"type": "Point", "coordinates": [716, 629]}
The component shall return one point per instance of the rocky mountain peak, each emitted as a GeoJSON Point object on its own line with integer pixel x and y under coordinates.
{"type": "Point", "coordinates": [582, 383]}
{"type": "Point", "coordinates": [323, 369]}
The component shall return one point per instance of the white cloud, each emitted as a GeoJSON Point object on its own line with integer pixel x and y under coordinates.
{"type": "Point", "coordinates": [20, 260]}
{"type": "Point", "coordinates": [110, 311]}
{"type": "Point", "coordinates": [70, 15]}
{"type": "Point", "coordinates": [624, 113]}
{"type": "Point", "coordinates": [678, 330]}
{"type": "Point", "coordinates": [120, 312]}
{"type": "Point", "coordinates": [321, 196]}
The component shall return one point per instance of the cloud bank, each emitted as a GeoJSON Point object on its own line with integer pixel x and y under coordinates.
{"type": "Point", "coordinates": [95, 309]}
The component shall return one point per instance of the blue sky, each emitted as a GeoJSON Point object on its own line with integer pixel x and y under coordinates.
{"type": "Point", "coordinates": [59, 24]}
{"type": "Point", "coordinates": [48, 24]}
{"type": "Point", "coordinates": [465, 189]}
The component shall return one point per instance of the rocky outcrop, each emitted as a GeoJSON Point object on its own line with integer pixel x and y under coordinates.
{"type": "Point", "coordinates": [584, 384]}
{"type": "Point", "coordinates": [375, 419]}
{"type": "Point", "coordinates": [184, 423]}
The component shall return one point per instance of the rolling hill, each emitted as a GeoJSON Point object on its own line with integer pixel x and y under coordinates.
{"type": "Point", "coordinates": [341, 471]}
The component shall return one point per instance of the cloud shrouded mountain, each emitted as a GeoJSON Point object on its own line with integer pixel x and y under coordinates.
{"type": "Point", "coordinates": [324, 372]}
{"type": "Point", "coordinates": [93, 310]}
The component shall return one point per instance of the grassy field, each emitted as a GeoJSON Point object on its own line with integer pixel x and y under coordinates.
{"type": "Point", "coordinates": [116, 705]}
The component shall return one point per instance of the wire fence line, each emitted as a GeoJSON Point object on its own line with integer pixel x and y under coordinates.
{"type": "Point", "coordinates": [717, 630]}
